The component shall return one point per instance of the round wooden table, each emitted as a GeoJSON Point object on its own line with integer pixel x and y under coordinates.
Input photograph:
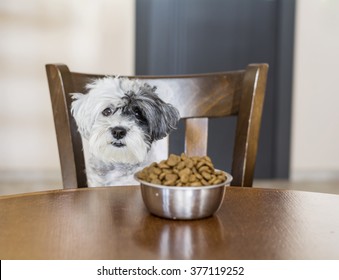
{"type": "Point", "coordinates": [113, 223]}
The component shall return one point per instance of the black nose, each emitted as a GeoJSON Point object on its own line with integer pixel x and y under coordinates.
{"type": "Point", "coordinates": [119, 132]}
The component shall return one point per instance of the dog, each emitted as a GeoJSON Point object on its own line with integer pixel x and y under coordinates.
{"type": "Point", "coordinates": [120, 119]}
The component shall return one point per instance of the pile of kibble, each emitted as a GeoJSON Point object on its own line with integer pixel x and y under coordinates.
{"type": "Point", "coordinates": [182, 171]}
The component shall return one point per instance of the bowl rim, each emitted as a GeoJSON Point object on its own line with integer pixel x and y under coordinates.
{"type": "Point", "coordinates": [229, 179]}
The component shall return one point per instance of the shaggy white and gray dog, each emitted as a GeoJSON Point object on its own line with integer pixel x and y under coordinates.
{"type": "Point", "coordinates": [120, 119]}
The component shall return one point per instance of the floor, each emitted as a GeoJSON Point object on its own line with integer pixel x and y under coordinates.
{"type": "Point", "coordinates": [323, 186]}
{"type": "Point", "coordinates": [24, 182]}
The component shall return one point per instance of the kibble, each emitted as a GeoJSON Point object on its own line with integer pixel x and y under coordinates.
{"type": "Point", "coordinates": [183, 171]}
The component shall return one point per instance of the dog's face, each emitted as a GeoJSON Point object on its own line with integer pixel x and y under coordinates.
{"type": "Point", "coordinates": [121, 118]}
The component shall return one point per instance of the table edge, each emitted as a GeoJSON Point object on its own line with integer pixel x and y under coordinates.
{"type": "Point", "coordinates": [56, 191]}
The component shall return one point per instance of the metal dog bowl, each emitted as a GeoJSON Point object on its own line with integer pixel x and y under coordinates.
{"type": "Point", "coordinates": [183, 203]}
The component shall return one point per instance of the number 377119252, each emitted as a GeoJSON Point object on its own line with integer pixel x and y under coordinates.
{"type": "Point", "coordinates": [223, 270]}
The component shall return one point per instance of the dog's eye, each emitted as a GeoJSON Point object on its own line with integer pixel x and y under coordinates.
{"type": "Point", "coordinates": [137, 113]}
{"type": "Point", "coordinates": [107, 112]}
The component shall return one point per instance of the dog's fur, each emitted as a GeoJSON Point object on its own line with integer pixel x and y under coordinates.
{"type": "Point", "coordinates": [121, 119]}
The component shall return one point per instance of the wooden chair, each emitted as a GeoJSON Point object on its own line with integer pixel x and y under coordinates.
{"type": "Point", "coordinates": [197, 97]}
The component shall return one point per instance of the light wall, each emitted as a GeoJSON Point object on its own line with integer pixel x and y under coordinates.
{"type": "Point", "coordinates": [88, 36]}
{"type": "Point", "coordinates": [98, 36]}
{"type": "Point", "coordinates": [315, 134]}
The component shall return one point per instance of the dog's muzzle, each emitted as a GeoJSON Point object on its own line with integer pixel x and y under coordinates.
{"type": "Point", "coordinates": [118, 133]}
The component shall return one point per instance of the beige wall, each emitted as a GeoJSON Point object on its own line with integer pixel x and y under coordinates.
{"type": "Point", "coordinates": [90, 36]}
{"type": "Point", "coordinates": [98, 36]}
{"type": "Point", "coordinates": [315, 135]}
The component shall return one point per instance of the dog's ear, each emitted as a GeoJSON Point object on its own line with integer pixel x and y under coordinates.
{"type": "Point", "coordinates": [162, 117]}
{"type": "Point", "coordinates": [166, 120]}
{"type": "Point", "coordinates": [82, 113]}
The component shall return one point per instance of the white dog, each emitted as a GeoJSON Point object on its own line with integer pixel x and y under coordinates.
{"type": "Point", "coordinates": [121, 119]}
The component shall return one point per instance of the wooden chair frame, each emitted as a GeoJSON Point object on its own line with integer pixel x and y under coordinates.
{"type": "Point", "coordinates": [197, 97]}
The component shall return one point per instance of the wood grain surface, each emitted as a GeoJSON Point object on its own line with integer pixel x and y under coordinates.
{"type": "Point", "coordinates": [113, 223]}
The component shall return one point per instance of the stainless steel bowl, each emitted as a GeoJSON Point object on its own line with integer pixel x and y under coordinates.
{"type": "Point", "coordinates": [183, 203]}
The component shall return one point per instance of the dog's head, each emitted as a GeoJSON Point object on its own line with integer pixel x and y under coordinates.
{"type": "Point", "coordinates": [121, 118]}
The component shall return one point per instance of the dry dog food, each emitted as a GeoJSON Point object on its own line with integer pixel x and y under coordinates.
{"type": "Point", "coordinates": [182, 171]}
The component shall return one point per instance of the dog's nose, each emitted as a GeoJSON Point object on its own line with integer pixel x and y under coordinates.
{"type": "Point", "coordinates": [119, 132]}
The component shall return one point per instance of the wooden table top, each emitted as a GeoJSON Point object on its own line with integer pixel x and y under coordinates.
{"type": "Point", "coordinates": [113, 223]}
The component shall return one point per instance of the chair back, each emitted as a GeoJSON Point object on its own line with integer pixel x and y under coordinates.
{"type": "Point", "coordinates": [197, 97]}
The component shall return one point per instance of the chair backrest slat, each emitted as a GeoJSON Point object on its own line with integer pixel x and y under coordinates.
{"type": "Point", "coordinates": [196, 136]}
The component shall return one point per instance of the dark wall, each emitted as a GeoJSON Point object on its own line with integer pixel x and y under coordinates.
{"type": "Point", "coordinates": [199, 36]}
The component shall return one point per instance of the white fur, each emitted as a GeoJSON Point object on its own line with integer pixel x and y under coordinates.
{"type": "Point", "coordinates": [113, 161]}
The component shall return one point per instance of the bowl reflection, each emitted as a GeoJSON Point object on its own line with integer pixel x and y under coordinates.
{"type": "Point", "coordinates": [179, 239]}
